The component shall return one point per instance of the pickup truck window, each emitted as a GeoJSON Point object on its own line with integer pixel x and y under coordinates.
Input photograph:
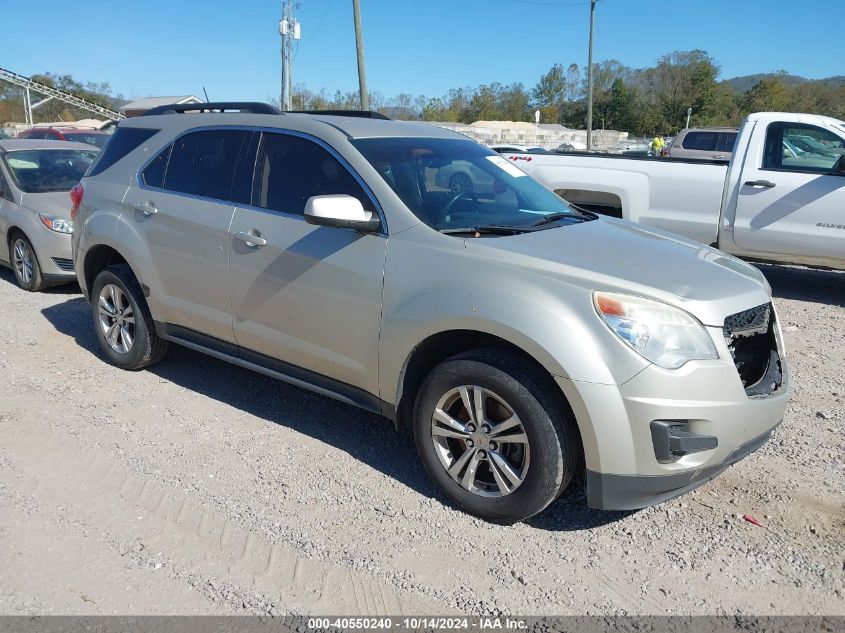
{"type": "Point", "coordinates": [451, 184]}
{"type": "Point", "coordinates": [801, 148]}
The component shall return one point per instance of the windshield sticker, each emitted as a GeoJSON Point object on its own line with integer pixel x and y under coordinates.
{"type": "Point", "coordinates": [510, 168]}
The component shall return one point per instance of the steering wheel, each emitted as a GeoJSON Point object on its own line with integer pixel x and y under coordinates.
{"type": "Point", "coordinates": [470, 195]}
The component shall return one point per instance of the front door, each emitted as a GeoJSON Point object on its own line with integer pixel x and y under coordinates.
{"type": "Point", "coordinates": [181, 210]}
{"type": "Point", "coordinates": [304, 296]}
{"type": "Point", "coordinates": [792, 199]}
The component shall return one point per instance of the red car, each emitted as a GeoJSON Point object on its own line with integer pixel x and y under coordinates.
{"type": "Point", "coordinates": [75, 134]}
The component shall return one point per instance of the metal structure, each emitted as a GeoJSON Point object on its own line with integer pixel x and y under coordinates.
{"type": "Point", "coordinates": [291, 30]}
{"type": "Point", "coordinates": [52, 93]}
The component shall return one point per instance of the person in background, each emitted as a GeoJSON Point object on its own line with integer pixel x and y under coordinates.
{"type": "Point", "coordinates": [657, 145]}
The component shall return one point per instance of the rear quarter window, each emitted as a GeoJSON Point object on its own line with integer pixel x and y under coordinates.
{"type": "Point", "coordinates": [123, 141]}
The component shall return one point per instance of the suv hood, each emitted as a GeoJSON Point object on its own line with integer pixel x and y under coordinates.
{"type": "Point", "coordinates": [620, 256]}
{"type": "Point", "coordinates": [55, 203]}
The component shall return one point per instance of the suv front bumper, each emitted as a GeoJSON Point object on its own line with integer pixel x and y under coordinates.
{"type": "Point", "coordinates": [627, 467]}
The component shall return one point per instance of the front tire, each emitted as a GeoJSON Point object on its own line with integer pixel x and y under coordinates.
{"type": "Point", "coordinates": [122, 320]}
{"type": "Point", "coordinates": [493, 435]}
{"type": "Point", "coordinates": [25, 264]}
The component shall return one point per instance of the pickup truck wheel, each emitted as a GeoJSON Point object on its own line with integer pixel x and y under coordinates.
{"type": "Point", "coordinates": [123, 321]}
{"type": "Point", "coordinates": [493, 437]}
{"type": "Point", "coordinates": [25, 264]}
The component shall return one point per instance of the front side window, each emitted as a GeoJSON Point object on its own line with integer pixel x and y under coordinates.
{"type": "Point", "coordinates": [456, 184]}
{"type": "Point", "coordinates": [44, 170]}
{"type": "Point", "coordinates": [203, 163]}
{"type": "Point", "coordinates": [801, 148]}
{"type": "Point", "coordinates": [291, 169]}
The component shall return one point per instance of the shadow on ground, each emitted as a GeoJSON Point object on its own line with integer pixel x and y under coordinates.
{"type": "Point", "coordinates": [367, 437]}
{"type": "Point", "coordinates": [72, 288]}
{"type": "Point", "coordinates": [806, 284]}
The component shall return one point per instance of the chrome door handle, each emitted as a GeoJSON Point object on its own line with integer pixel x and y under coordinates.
{"type": "Point", "coordinates": [759, 183]}
{"type": "Point", "coordinates": [251, 239]}
{"type": "Point", "coordinates": [147, 208]}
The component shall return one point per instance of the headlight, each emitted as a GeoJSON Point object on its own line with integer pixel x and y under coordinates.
{"type": "Point", "coordinates": [59, 225]}
{"type": "Point", "coordinates": [666, 336]}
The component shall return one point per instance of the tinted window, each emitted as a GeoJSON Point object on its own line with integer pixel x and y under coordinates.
{"type": "Point", "coordinates": [203, 163]}
{"type": "Point", "coordinates": [802, 148]}
{"type": "Point", "coordinates": [290, 170]}
{"type": "Point", "coordinates": [123, 141]}
{"type": "Point", "coordinates": [726, 143]}
{"type": "Point", "coordinates": [33, 134]}
{"type": "Point", "coordinates": [705, 141]}
{"type": "Point", "coordinates": [43, 170]}
{"type": "Point", "coordinates": [154, 173]}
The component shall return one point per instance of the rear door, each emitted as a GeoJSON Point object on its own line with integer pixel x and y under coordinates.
{"type": "Point", "coordinates": [180, 209]}
{"type": "Point", "coordinates": [792, 202]}
{"type": "Point", "coordinates": [304, 296]}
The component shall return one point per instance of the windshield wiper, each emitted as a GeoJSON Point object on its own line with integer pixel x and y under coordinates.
{"type": "Point", "coordinates": [576, 214]}
{"type": "Point", "coordinates": [488, 229]}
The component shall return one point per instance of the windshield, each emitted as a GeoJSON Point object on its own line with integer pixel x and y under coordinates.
{"type": "Point", "coordinates": [454, 184]}
{"type": "Point", "coordinates": [43, 170]}
{"type": "Point", "coordinates": [97, 140]}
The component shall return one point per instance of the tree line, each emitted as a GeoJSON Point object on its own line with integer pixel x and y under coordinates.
{"type": "Point", "coordinates": [641, 101]}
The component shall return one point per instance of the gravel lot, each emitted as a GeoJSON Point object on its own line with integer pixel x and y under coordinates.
{"type": "Point", "coordinates": [198, 487]}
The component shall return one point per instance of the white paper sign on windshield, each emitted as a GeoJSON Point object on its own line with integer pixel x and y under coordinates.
{"type": "Point", "coordinates": [505, 164]}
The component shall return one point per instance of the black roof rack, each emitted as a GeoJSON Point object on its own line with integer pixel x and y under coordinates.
{"type": "Point", "coordinates": [360, 114]}
{"type": "Point", "coordinates": [252, 107]}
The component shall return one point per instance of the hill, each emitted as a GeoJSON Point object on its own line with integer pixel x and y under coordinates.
{"type": "Point", "coordinates": [744, 83]}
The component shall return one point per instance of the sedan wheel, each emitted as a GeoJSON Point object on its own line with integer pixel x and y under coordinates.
{"type": "Point", "coordinates": [117, 319]}
{"type": "Point", "coordinates": [25, 264]}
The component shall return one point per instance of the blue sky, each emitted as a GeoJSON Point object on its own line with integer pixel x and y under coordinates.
{"type": "Point", "coordinates": [167, 47]}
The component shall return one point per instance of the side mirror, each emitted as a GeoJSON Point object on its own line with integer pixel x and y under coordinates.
{"type": "Point", "coordinates": [340, 211]}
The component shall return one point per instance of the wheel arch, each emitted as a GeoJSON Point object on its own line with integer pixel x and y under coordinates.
{"type": "Point", "coordinates": [98, 258]}
{"type": "Point", "coordinates": [443, 345]}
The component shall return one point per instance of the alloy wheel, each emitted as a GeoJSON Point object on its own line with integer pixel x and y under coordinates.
{"type": "Point", "coordinates": [117, 319]}
{"type": "Point", "coordinates": [22, 260]}
{"type": "Point", "coordinates": [480, 441]}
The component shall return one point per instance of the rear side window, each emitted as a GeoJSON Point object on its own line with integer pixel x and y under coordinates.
{"type": "Point", "coordinates": [153, 175]}
{"type": "Point", "coordinates": [123, 141]}
{"type": "Point", "coordinates": [203, 163]}
{"type": "Point", "coordinates": [704, 141]}
{"type": "Point", "coordinates": [290, 169]}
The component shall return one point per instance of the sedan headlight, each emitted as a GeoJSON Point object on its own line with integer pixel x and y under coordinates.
{"type": "Point", "coordinates": [59, 225]}
{"type": "Point", "coordinates": [667, 336]}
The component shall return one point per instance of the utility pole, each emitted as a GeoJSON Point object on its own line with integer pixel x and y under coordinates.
{"type": "Point", "coordinates": [359, 45]}
{"type": "Point", "coordinates": [590, 78]}
{"type": "Point", "coordinates": [290, 29]}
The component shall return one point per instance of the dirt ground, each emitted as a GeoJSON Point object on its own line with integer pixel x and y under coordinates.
{"type": "Point", "coordinates": [198, 487]}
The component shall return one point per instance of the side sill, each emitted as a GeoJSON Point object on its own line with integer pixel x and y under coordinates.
{"type": "Point", "coordinates": [274, 368]}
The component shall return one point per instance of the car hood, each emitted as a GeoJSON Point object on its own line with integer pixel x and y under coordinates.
{"type": "Point", "coordinates": [619, 256]}
{"type": "Point", "coordinates": [55, 203]}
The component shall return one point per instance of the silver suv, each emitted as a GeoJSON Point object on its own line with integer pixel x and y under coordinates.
{"type": "Point", "coordinates": [516, 337]}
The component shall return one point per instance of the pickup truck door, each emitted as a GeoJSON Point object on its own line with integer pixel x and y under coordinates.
{"type": "Point", "coordinates": [791, 201]}
{"type": "Point", "coordinates": [306, 297]}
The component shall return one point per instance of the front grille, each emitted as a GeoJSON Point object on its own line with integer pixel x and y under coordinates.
{"type": "Point", "coordinates": [63, 264]}
{"type": "Point", "coordinates": [750, 336]}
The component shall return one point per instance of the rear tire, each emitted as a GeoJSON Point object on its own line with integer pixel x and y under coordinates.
{"type": "Point", "coordinates": [535, 456]}
{"type": "Point", "coordinates": [122, 320]}
{"type": "Point", "coordinates": [25, 264]}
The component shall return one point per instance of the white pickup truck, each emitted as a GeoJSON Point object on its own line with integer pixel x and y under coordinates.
{"type": "Point", "coordinates": [781, 198]}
